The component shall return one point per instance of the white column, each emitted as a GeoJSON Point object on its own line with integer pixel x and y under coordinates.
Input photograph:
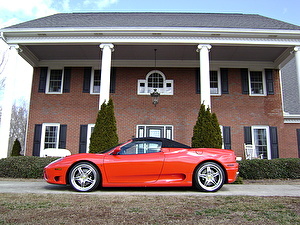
{"type": "Point", "coordinates": [204, 74]}
{"type": "Point", "coordinates": [297, 57]}
{"type": "Point", "coordinates": [107, 50]}
{"type": "Point", "coordinates": [8, 99]}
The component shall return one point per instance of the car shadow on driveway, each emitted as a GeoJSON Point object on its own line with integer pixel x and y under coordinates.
{"type": "Point", "coordinates": [112, 190]}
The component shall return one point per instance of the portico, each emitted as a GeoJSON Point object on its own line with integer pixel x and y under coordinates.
{"type": "Point", "coordinates": [233, 68]}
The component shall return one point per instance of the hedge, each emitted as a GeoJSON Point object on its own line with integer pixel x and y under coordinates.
{"type": "Point", "coordinates": [270, 169]}
{"type": "Point", "coordinates": [32, 167]}
{"type": "Point", "coordinates": [24, 166]}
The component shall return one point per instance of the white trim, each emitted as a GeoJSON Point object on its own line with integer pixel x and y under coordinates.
{"type": "Point", "coordinates": [219, 92]}
{"type": "Point", "coordinates": [221, 128]}
{"type": "Point", "coordinates": [185, 38]}
{"type": "Point", "coordinates": [263, 83]}
{"type": "Point", "coordinates": [88, 136]}
{"type": "Point", "coordinates": [162, 91]}
{"type": "Point", "coordinates": [142, 30]}
{"type": "Point", "coordinates": [166, 135]}
{"type": "Point", "coordinates": [291, 118]}
{"type": "Point", "coordinates": [48, 81]}
{"type": "Point", "coordinates": [44, 125]}
{"type": "Point", "coordinates": [92, 82]}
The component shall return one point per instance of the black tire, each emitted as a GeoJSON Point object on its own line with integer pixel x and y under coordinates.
{"type": "Point", "coordinates": [84, 176]}
{"type": "Point", "coordinates": [209, 177]}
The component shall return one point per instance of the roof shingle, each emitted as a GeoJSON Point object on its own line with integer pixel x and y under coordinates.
{"type": "Point", "coordinates": [195, 20]}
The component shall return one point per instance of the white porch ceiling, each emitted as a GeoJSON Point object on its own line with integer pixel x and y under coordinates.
{"type": "Point", "coordinates": [146, 52]}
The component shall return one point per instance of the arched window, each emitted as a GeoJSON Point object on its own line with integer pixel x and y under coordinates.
{"type": "Point", "coordinates": [155, 79]}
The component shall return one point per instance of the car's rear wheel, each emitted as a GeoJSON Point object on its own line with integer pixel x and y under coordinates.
{"type": "Point", "coordinates": [84, 176]}
{"type": "Point", "coordinates": [209, 177]}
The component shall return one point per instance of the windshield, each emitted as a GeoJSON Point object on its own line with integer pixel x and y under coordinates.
{"type": "Point", "coordinates": [105, 151]}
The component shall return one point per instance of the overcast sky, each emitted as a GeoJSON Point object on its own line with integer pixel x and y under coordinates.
{"type": "Point", "coordinates": [17, 11]}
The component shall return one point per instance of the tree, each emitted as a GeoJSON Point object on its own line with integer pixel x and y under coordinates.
{"type": "Point", "coordinates": [206, 132]}
{"type": "Point", "coordinates": [18, 123]}
{"type": "Point", "coordinates": [217, 134]}
{"type": "Point", "coordinates": [16, 149]}
{"type": "Point", "coordinates": [104, 135]}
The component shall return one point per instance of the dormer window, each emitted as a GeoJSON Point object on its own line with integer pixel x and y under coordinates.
{"type": "Point", "coordinates": [155, 79]}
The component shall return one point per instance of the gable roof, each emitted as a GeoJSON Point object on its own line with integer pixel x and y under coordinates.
{"type": "Point", "coordinates": [193, 20]}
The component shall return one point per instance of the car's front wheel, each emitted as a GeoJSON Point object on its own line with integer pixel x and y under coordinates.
{"type": "Point", "coordinates": [84, 176]}
{"type": "Point", "coordinates": [209, 177]}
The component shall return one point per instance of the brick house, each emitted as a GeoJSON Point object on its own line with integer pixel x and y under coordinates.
{"type": "Point", "coordinates": [230, 62]}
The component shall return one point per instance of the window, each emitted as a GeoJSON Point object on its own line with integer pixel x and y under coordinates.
{"type": "Point", "coordinates": [89, 133]}
{"type": "Point", "coordinates": [261, 141]}
{"type": "Point", "coordinates": [141, 147]}
{"type": "Point", "coordinates": [55, 82]}
{"type": "Point", "coordinates": [96, 82]}
{"type": "Point", "coordinates": [260, 137]}
{"type": "Point", "coordinates": [50, 135]}
{"type": "Point", "coordinates": [257, 83]}
{"type": "Point", "coordinates": [218, 82]}
{"type": "Point", "coordinates": [155, 79]}
{"type": "Point", "coordinates": [214, 83]}
{"type": "Point", "coordinates": [159, 131]}
{"type": "Point", "coordinates": [92, 81]}
{"type": "Point", "coordinates": [86, 131]}
{"type": "Point", "coordinates": [264, 140]}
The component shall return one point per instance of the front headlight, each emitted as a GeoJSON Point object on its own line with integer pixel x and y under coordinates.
{"type": "Point", "coordinates": [55, 161]}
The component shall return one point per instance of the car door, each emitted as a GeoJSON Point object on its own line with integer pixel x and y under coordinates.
{"type": "Point", "coordinates": [137, 162]}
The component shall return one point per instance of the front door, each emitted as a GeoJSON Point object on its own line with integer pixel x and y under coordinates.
{"type": "Point", "coordinates": [159, 131]}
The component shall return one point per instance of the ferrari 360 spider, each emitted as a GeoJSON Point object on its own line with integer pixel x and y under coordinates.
{"type": "Point", "coordinates": [146, 162]}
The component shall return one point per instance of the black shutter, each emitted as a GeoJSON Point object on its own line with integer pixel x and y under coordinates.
{"type": "Point", "coordinates": [247, 136]}
{"type": "Point", "coordinates": [298, 140]}
{"type": "Point", "coordinates": [37, 140]}
{"type": "Point", "coordinates": [43, 79]}
{"type": "Point", "coordinates": [62, 136]}
{"type": "Point", "coordinates": [67, 79]}
{"type": "Point", "coordinates": [83, 138]}
{"type": "Point", "coordinates": [269, 81]}
{"type": "Point", "coordinates": [226, 137]}
{"type": "Point", "coordinates": [112, 80]}
{"type": "Point", "coordinates": [224, 81]}
{"type": "Point", "coordinates": [274, 143]}
{"type": "Point", "coordinates": [87, 79]}
{"type": "Point", "coordinates": [245, 81]}
{"type": "Point", "coordinates": [198, 90]}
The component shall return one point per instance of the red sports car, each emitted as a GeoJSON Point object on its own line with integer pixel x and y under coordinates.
{"type": "Point", "coordinates": [146, 162]}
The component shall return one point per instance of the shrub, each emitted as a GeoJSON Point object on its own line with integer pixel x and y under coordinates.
{"type": "Point", "coordinates": [206, 132]}
{"type": "Point", "coordinates": [16, 149]}
{"type": "Point", "coordinates": [270, 169]}
{"type": "Point", "coordinates": [104, 135]}
{"type": "Point", "coordinates": [32, 167]}
{"type": "Point", "coordinates": [24, 166]}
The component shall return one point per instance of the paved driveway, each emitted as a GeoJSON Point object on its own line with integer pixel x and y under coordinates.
{"type": "Point", "coordinates": [41, 187]}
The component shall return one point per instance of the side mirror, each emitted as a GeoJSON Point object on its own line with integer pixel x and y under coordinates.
{"type": "Point", "coordinates": [116, 151]}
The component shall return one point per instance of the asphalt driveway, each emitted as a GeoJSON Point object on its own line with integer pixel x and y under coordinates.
{"type": "Point", "coordinates": [41, 187]}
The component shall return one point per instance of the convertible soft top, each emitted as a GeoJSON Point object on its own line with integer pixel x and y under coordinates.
{"type": "Point", "coordinates": [166, 143]}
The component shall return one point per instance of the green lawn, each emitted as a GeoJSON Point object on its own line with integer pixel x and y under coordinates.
{"type": "Point", "coordinates": [93, 209]}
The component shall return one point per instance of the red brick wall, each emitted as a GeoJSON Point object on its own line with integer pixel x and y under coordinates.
{"type": "Point", "coordinates": [74, 108]}
{"type": "Point", "coordinates": [180, 110]}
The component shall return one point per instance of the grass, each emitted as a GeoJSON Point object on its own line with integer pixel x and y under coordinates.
{"type": "Point", "coordinates": [91, 209]}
